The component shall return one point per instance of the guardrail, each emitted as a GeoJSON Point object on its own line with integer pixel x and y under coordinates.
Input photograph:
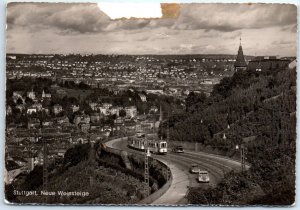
{"type": "Point", "coordinates": [162, 190]}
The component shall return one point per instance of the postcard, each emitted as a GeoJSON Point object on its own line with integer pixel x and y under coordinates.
{"type": "Point", "coordinates": [150, 104]}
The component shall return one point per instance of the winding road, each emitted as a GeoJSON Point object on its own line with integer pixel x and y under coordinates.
{"type": "Point", "coordinates": [180, 164]}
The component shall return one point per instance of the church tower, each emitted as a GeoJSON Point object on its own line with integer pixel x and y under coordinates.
{"type": "Point", "coordinates": [240, 63]}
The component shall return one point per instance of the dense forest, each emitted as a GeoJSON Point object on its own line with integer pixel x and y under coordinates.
{"type": "Point", "coordinates": [256, 109]}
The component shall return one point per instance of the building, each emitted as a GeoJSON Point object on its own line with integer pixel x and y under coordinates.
{"type": "Point", "coordinates": [131, 111]}
{"type": "Point", "coordinates": [103, 110]}
{"type": "Point", "coordinates": [265, 63]}
{"type": "Point", "coordinates": [147, 124]}
{"type": "Point", "coordinates": [57, 109]}
{"type": "Point", "coordinates": [31, 110]}
{"type": "Point", "coordinates": [38, 106]}
{"type": "Point", "coordinates": [47, 123]}
{"type": "Point", "coordinates": [61, 152]}
{"type": "Point", "coordinates": [143, 97]}
{"type": "Point", "coordinates": [95, 126]}
{"type": "Point", "coordinates": [119, 123]}
{"type": "Point", "coordinates": [30, 163]}
{"type": "Point", "coordinates": [20, 107]}
{"type": "Point", "coordinates": [115, 110]}
{"type": "Point", "coordinates": [84, 127]}
{"type": "Point", "coordinates": [17, 95]}
{"type": "Point", "coordinates": [240, 63]}
{"type": "Point", "coordinates": [8, 110]}
{"type": "Point", "coordinates": [31, 95]}
{"type": "Point", "coordinates": [93, 105]}
{"type": "Point", "coordinates": [75, 108]}
{"type": "Point", "coordinates": [33, 123]}
{"type": "Point", "coordinates": [62, 120]}
{"type": "Point", "coordinates": [153, 109]}
{"type": "Point", "coordinates": [82, 118]}
{"type": "Point", "coordinates": [107, 105]}
{"type": "Point", "coordinates": [46, 95]}
{"type": "Point", "coordinates": [95, 117]}
{"type": "Point", "coordinates": [130, 125]}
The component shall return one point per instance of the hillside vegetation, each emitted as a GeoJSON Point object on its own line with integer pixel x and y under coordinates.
{"type": "Point", "coordinates": [254, 109]}
{"type": "Point", "coordinates": [93, 170]}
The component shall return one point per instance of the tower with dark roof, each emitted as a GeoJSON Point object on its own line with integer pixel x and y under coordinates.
{"type": "Point", "coordinates": [240, 63]}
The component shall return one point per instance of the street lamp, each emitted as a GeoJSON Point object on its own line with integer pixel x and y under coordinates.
{"type": "Point", "coordinates": [243, 158]}
{"type": "Point", "coordinates": [146, 175]}
{"type": "Point", "coordinates": [148, 154]}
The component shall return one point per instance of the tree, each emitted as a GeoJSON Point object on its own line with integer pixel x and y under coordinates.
{"type": "Point", "coordinates": [28, 101]}
{"type": "Point", "coordinates": [77, 154]}
{"type": "Point", "coordinates": [122, 113]}
{"type": "Point", "coordinates": [19, 101]}
{"type": "Point", "coordinates": [195, 102]}
{"type": "Point", "coordinates": [34, 178]}
{"type": "Point", "coordinates": [223, 88]}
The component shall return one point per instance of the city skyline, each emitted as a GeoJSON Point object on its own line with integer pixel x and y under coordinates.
{"type": "Point", "coordinates": [43, 28]}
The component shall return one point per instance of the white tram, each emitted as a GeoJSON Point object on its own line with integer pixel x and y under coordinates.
{"type": "Point", "coordinates": [140, 142]}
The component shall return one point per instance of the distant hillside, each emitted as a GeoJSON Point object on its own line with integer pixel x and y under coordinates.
{"type": "Point", "coordinates": [99, 56]}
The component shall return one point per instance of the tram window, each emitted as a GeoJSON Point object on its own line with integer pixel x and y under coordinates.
{"type": "Point", "coordinates": [163, 145]}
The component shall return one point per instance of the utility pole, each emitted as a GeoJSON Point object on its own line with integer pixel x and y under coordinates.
{"type": "Point", "coordinates": [45, 168]}
{"type": "Point", "coordinates": [147, 155]}
{"type": "Point", "coordinates": [146, 189]}
{"type": "Point", "coordinates": [168, 129]}
{"type": "Point", "coordinates": [160, 113]}
{"type": "Point", "coordinates": [243, 158]}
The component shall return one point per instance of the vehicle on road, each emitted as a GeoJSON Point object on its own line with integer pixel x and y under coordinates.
{"type": "Point", "coordinates": [158, 146]}
{"type": "Point", "coordinates": [203, 177]}
{"type": "Point", "coordinates": [140, 134]}
{"type": "Point", "coordinates": [195, 168]}
{"type": "Point", "coordinates": [178, 149]}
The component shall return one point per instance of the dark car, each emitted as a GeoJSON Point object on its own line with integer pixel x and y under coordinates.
{"type": "Point", "coordinates": [195, 168]}
{"type": "Point", "coordinates": [178, 149]}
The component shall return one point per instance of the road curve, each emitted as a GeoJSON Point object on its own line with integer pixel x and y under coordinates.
{"type": "Point", "coordinates": [179, 186]}
{"type": "Point", "coordinates": [179, 165]}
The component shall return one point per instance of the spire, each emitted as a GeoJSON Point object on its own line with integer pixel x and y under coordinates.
{"type": "Point", "coordinates": [240, 59]}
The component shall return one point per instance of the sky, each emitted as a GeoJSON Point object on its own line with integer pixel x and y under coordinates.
{"type": "Point", "coordinates": [63, 28]}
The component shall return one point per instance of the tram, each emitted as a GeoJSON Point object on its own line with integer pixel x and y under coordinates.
{"type": "Point", "coordinates": [140, 142]}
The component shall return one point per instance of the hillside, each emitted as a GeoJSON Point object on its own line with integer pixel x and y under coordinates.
{"type": "Point", "coordinates": [96, 174]}
{"type": "Point", "coordinates": [254, 109]}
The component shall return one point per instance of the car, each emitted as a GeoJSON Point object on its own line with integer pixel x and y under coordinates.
{"type": "Point", "coordinates": [178, 149]}
{"type": "Point", "coordinates": [195, 168]}
{"type": "Point", "coordinates": [203, 177]}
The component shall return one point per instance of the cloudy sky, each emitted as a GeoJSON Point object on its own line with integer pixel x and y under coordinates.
{"type": "Point", "coordinates": [266, 29]}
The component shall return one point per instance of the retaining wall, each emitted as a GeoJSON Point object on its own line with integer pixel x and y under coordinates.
{"type": "Point", "coordinates": [198, 147]}
{"type": "Point", "coordinates": [157, 194]}
{"type": "Point", "coordinates": [193, 146]}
